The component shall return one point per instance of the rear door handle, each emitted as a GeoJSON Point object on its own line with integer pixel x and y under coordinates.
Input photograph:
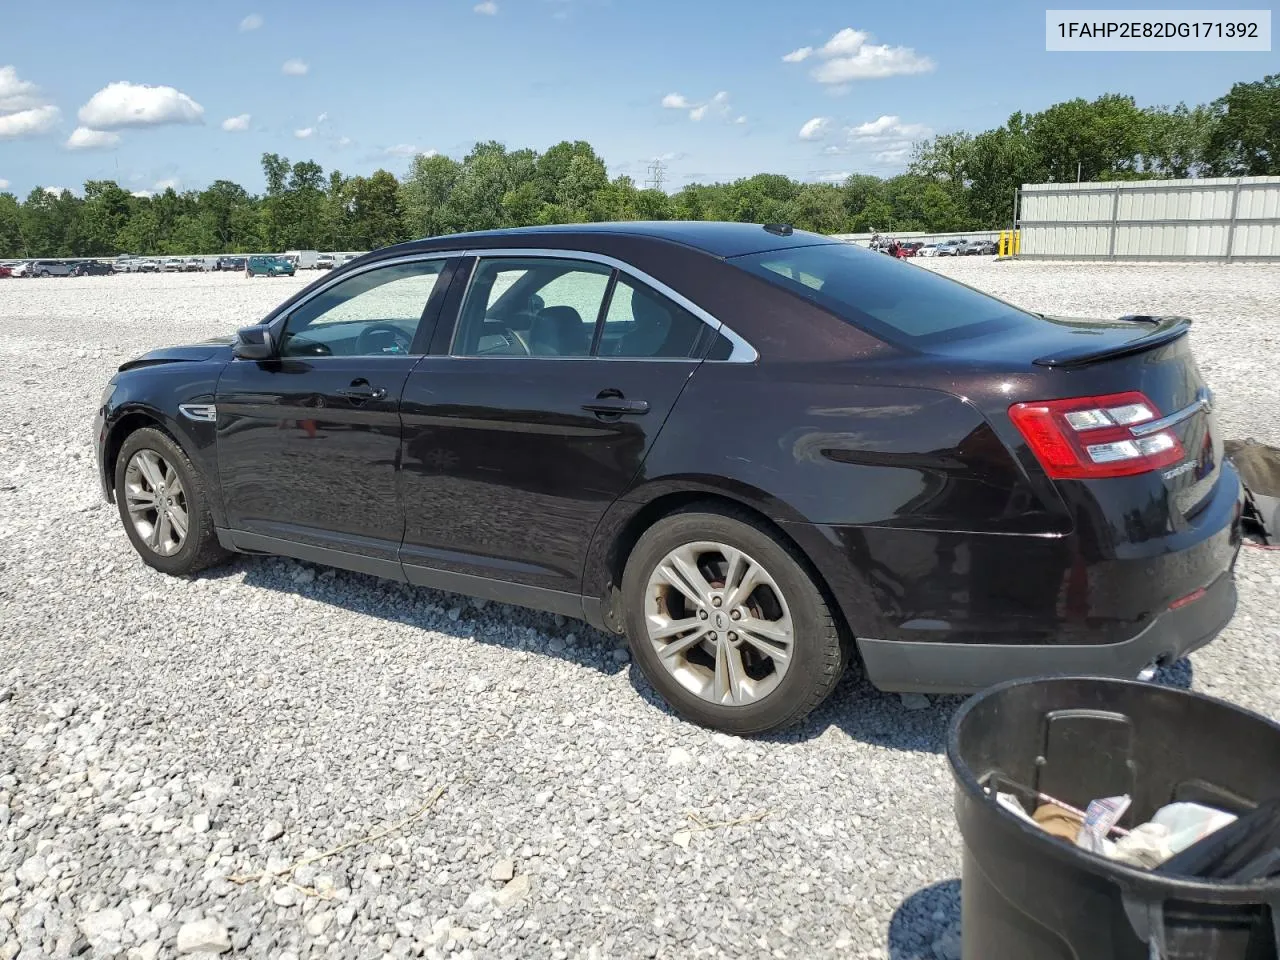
{"type": "Point", "coordinates": [616, 406]}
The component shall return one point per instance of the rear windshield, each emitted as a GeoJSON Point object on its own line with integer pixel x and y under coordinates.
{"type": "Point", "coordinates": [900, 302]}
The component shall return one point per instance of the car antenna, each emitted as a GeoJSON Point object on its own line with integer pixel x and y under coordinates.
{"type": "Point", "coordinates": [781, 229]}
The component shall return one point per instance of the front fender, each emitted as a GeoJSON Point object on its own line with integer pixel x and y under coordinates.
{"type": "Point", "coordinates": [153, 396]}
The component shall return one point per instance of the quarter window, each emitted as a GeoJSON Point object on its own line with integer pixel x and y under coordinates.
{"type": "Point", "coordinates": [375, 313]}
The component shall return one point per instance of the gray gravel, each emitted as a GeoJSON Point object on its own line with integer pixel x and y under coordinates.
{"type": "Point", "coordinates": [160, 737]}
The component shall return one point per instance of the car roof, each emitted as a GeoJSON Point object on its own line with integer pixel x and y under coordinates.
{"type": "Point", "coordinates": [716, 238]}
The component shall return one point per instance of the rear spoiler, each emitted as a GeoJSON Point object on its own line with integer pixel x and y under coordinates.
{"type": "Point", "coordinates": [1164, 330]}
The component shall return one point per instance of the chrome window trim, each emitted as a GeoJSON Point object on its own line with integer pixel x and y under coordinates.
{"type": "Point", "coordinates": [281, 317]}
{"type": "Point", "coordinates": [741, 352]}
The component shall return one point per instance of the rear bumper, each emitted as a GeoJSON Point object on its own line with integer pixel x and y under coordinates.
{"type": "Point", "coordinates": [914, 666]}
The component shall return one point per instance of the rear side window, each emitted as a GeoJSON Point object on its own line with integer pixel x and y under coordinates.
{"type": "Point", "coordinates": [643, 323]}
{"type": "Point", "coordinates": [900, 302]}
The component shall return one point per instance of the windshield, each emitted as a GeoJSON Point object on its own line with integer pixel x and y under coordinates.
{"type": "Point", "coordinates": [899, 302]}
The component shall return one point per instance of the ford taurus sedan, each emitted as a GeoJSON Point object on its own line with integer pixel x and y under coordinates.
{"type": "Point", "coordinates": [758, 453]}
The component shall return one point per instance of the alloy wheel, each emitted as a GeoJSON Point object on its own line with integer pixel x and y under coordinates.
{"type": "Point", "coordinates": [157, 502]}
{"type": "Point", "coordinates": [719, 623]}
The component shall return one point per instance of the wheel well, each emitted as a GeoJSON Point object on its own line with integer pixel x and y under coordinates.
{"type": "Point", "coordinates": [664, 506]}
{"type": "Point", "coordinates": [120, 431]}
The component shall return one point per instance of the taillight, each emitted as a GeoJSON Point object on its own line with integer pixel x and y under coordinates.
{"type": "Point", "coordinates": [1087, 438]}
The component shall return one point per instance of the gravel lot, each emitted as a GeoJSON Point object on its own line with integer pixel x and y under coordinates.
{"type": "Point", "coordinates": [159, 737]}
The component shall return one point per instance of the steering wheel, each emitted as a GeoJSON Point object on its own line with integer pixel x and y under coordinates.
{"type": "Point", "coordinates": [519, 338]}
{"type": "Point", "coordinates": [368, 340]}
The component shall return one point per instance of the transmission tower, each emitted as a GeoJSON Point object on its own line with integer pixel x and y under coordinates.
{"type": "Point", "coordinates": [657, 175]}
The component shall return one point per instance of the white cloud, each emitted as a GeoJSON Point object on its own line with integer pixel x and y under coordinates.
{"type": "Point", "coordinates": [162, 185]}
{"type": "Point", "coordinates": [840, 177]}
{"type": "Point", "coordinates": [236, 124]}
{"type": "Point", "coordinates": [488, 8]}
{"type": "Point", "coordinates": [741, 118]}
{"type": "Point", "coordinates": [407, 150]}
{"type": "Point", "coordinates": [29, 123]}
{"type": "Point", "coordinates": [142, 194]}
{"type": "Point", "coordinates": [675, 101]}
{"type": "Point", "coordinates": [294, 68]}
{"type": "Point", "coordinates": [888, 128]}
{"type": "Point", "coordinates": [252, 22]}
{"type": "Point", "coordinates": [4, 184]}
{"type": "Point", "coordinates": [16, 93]}
{"type": "Point", "coordinates": [85, 138]}
{"type": "Point", "coordinates": [344, 142]}
{"type": "Point", "coordinates": [849, 55]}
{"type": "Point", "coordinates": [719, 105]}
{"type": "Point", "coordinates": [815, 129]}
{"type": "Point", "coordinates": [124, 104]}
{"type": "Point", "coordinates": [322, 118]}
{"type": "Point", "coordinates": [304, 133]}
{"type": "Point", "coordinates": [895, 155]}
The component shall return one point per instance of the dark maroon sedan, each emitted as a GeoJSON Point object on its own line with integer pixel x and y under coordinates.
{"type": "Point", "coordinates": [759, 453]}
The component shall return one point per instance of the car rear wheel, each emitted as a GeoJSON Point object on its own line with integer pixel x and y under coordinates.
{"type": "Point", "coordinates": [727, 624]}
{"type": "Point", "coordinates": [163, 505]}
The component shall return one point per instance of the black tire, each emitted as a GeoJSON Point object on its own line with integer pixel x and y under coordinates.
{"type": "Point", "coordinates": [200, 549]}
{"type": "Point", "coordinates": [818, 654]}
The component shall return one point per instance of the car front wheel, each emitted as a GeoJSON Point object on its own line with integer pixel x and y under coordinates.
{"type": "Point", "coordinates": [163, 505]}
{"type": "Point", "coordinates": [727, 624]}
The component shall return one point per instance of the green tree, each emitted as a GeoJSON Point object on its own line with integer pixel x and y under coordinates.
{"type": "Point", "coordinates": [376, 219]}
{"type": "Point", "coordinates": [425, 194]}
{"type": "Point", "coordinates": [818, 207]}
{"type": "Point", "coordinates": [11, 242]}
{"type": "Point", "coordinates": [1245, 139]}
{"type": "Point", "coordinates": [1178, 140]}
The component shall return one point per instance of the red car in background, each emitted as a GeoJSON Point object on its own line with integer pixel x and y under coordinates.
{"type": "Point", "coordinates": [5, 271]}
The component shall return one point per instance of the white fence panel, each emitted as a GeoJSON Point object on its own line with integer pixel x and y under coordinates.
{"type": "Point", "coordinates": [1224, 218]}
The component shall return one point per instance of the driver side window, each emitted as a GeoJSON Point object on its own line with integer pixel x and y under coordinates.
{"type": "Point", "coordinates": [375, 313]}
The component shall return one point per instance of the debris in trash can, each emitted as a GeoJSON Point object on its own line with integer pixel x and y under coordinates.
{"type": "Point", "coordinates": [1100, 817]}
{"type": "Point", "coordinates": [1014, 806]}
{"type": "Point", "coordinates": [1058, 821]}
{"type": "Point", "coordinates": [1146, 846]}
{"type": "Point", "coordinates": [1190, 822]}
{"type": "Point", "coordinates": [1244, 851]}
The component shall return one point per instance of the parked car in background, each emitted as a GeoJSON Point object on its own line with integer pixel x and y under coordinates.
{"type": "Point", "coordinates": [910, 248]}
{"type": "Point", "coordinates": [92, 268]}
{"type": "Point", "coordinates": [173, 265]}
{"type": "Point", "coordinates": [303, 259]}
{"type": "Point", "coordinates": [269, 266]}
{"type": "Point", "coordinates": [6, 271]}
{"type": "Point", "coordinates": [230, 263]}
{"type": "Point", "coordinates": [50, 268]}
{"type": "Point", "coordinates": [988, 493]}
{"type": "Point", "coordinates": [193, 265]}
{"type": "Point", "coordinates": [325, 261]}
{"type": "Point", "coordinates": [949, 248]}
{"type": "Point", "coordinates": [21, 269]}
{"type": "Point", "coordinates": [928, 250]}
{"type": "Point", "coordinates": [984, 248]}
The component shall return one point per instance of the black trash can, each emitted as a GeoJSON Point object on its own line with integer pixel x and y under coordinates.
{"type": "Point", "coordinates": [1027, 895]}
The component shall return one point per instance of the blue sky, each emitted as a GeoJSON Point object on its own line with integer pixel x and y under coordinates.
{"type": "Point", "coordinates": [144, 92]}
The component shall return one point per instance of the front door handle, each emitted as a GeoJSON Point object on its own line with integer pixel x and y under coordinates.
{"type": "Point", "coordinates": [616, 407]}
{"type": "Point", "coordinates": [361, 390]}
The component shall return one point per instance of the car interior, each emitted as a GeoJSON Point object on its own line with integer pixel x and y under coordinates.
{"type": "Point", "coordinates": [551, 309]}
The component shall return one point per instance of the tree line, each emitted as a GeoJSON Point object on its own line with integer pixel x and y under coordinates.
{"type": "Point", "coordinates": [955, 181]}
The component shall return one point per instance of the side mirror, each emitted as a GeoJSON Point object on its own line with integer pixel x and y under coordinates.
{"type": "Point", "coordinates": [254, 343]}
